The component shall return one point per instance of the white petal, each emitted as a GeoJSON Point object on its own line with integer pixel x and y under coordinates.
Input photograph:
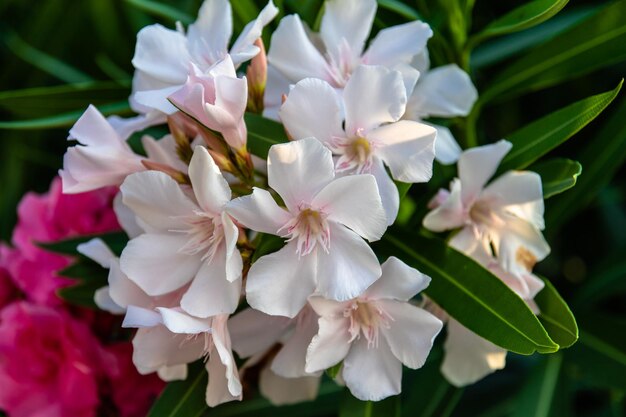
{"type": "Point", "coordinates": [157, 200]}
{"type": "Point", "coordinates": [243, 48]}
{"type": "Point", "coordinates": [312, 109]}
{"type": "Point", "coordinates": [139, 317]}
{"type": "Point", "coordinates": [283, 391]}
{"type": "Point", "coordinates": [258, 211]}
{"type": "Point", "coordinates": [447, 150]}
{"type": "Point", "coordinates": [210, 293]}
{"type": "Point", "coordinates": [412, 333]}
{"type": "Point", "coordinates": [518, 234]}
{"type": "Point", "coordinates": [98, 251]}
{"type": "Point", "coordinates": [163, 151]}
{"type": "Point", "coordinates": [421, 61]}
{"type": "Point", "coordinates": [450, 214]}
{"type": "Point", "coordinates": [327, 308]}
{"type": "Point", "coordinates": [330, 346]}
{"type": "Point", "coordinates": [290, 360]}
{"type": "Point", "coordinates": [372, 374]}
{"type": "Point", "coordinates": [354, 202]}
{"type": "Point", "coordinates": [221, 340]}
{"type": "Point", "coordinates": [384, 102]}
{"type": "Point", "coordinates": [398, 44]}
{"type": "Point", "coordinates": [173, 373]}
{"type": "Point", "coordinates": [349, 268]}
{"type": "Point", "coordinates": [477, 165]}
{"type": "Point", "coordinates": [157, 98]}
{"type": "Point", "coordinates": [252, 331]}
{"type": "Point", "coordinates": [468, 357]}
{"type": "Point", "coordinates": [156, 347]}
{"type": "Point", "coordinates": [279, 283]}
{"type": "Point", "coordinates": [293, 54]}
{"type": "Point", "coordinates": [444, 92]}
{"type": "Point", "coordinates": [234, 263]}
{"type": "Point", "coordinates": [298, 170]}
{"type": "Point", "coordinates": [217, 390]}
{"type": "Point", "coordinates": [515, 187]}
{"type": "Point", "coordinates": [276, 85]}
{"type": "Point", "coordinates": [387, 189]}
{"type": "Point", "coordinates": [180, 322]}
{"type": "Point", "coordinates": [162, 54]}
{"type": "Point", "coordinates": [126, 218]}
{"type": "Point", "coordinates": [124, 291]}
{"type": "Point", "coordinates": [153, 262]}
{"type": "Point", "coordinates": [127, 126]}
{"type": "Point", "coordinates": [211, 32]}
{"type": "Point", "coordinates": [397, 282]}
{"type": "Point", "coordinates": [209, 186]}
{"type": "Point", "coordinates": [92, 129]}
{"type": "Point", "coordinates": [408, 149]}
{"type": "Point", "coordinates": [103, 300]}
{"type": "Point", "coordinates": [347, 21]}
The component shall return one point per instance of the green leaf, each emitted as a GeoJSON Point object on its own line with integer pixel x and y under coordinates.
{"type": "Point", "coordinates": [468, 292]}
{"type": "Point", "coordinates": [595, 43]}
{"type": "Point", "coordinates": [184, 398]}
{"type": "Point", "coordinates": [81, 294]}
{"type": "Point", "coordinates": [263, 133]}
{"type": "Point", "coordinates": [526, 16]}
{"type": "Point", "coordinates": [541, 136]}
{"type": "Point", "coordinates": [399, 8]}
{"type": "Point", "coordinates": [333, 371]}
{"type": "Point", "coordinates": [85, 269]}
{"type": "Point", "coordinates": [557, 175]}
{"type": "Point", "coordinates": [161, 10]}
{"type": "Point", "coordinates": [115, 241]}
{"type": "Point", "coordinates": [245, 10]}
{"type": "Point", "coordinates": [536, 397]}
{"type": "Point", "coordinates": [556, 316]}
{"type": "Point", "coordinates": [267, 244]}
{"type": "Point", "coordinates": [63, 119]}
{"type": "Point", "coordinates": [351, 407]}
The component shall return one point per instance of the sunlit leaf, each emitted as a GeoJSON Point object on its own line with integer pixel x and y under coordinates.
{"type": "Point", "coordinates": [556, 316]}
{"type": "Point", "coordinates": [557, 175]}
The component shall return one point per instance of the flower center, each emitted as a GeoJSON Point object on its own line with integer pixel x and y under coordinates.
{"type": "Point", "coordinates": [366, 318]}
{"type": "Point", "coordinates": [205, 234]}
{"type": "Point", "coordinates": [481, 213]}
{"type": "Point", "coordinates": [356, 153]}
{"type": "Point", "coordinates": [309, 228]}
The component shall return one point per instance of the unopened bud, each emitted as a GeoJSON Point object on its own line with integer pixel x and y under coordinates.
{"type": "Point", "coordinates": [222, 161]}
{"type": "Point", "coordinates": [178, 176]}
{"type": "Point", "coordinates": [257, 78]}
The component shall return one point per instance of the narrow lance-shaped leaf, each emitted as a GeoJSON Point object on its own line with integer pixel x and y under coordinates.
{"type": "Point", "coordinates": [352, 407]}
{"type": "Point", "coordinates": [526, 16]}
{"type": "Point", "coordinates": [184, 398]}
{"type": "Point", "coordinates": [115, 241]}
{"type": "Point", "coordinates": [541, 136]}
{"type": "Point", "coordinates": [162, 10]}
{"type": "Point", "coordinates": [556, 316]}
{"type": "Point", "coordinates": [557, 175]}
{"type": "Point", "coordinates": [537, 395]}
{"type": "Point", "coordinates": [400, 8]}
{"type": "Point", "coordinates": [468, 292]}
{"type": "Point", "coordinates": [263, 133]}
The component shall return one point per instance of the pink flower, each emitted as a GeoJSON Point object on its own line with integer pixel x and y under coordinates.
{"type": "Point", "coordinates": [50, 364]}
{"type": "Point", "coordinates": [8, 291]}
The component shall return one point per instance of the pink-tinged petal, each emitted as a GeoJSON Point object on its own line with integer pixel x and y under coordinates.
{"type": "Point", "coordinates": [513, 188]}
{"type": "Point", "coordinates": [210, 34]}
{"type": "Point", "coordinates": [124, 291]}
{"type": "Point", "coordinates": [156, 347]}
{"type": "Point", "coordinates": [387, 189]}
{"type": "Point", "coordinates": [532, 212]}
{"type": "Point", "coordinates": [139, 317]}
{"type": "Point", "coordinates": [173, 373]}
{"type": "Point", "coordinates": [98, 251]}
{"type": "Point", "coordinates": [327, 308]}
{"type": "Point", "coordinates": [398, 44]}
{"type": "Point", "coordinates": [103, 300]}
{"type": "Point", "coordinates": [217, 391]}
{"type": "Point", "coordinates": [252, 331]}
{"type": "Point", "coordinates": [349, 268]}
{"type": "Point", "coordinates": [226, 116]}
{"type": "Point", "coordinates": [210, 293]}
{"type": "Point", "coordinates": [330, 346]}
{"type": "Point", "coordinates": [126, 217]}
{"type": "Point", "coordinates": [397, 282]}
{"type": "Point", "coordinates": [209, 186]}
{"type": "Point", "coordinates": [470, 242]}
{"type": "Point", "coordinates": [444, 92]}
{"type": "Point", "coordinates": [92, 129]}
{"type": "Point", "coordinates": [477, 165]}
{"type": "Point", "coordinates": [258, 211]}
{"type": "Point", "coordinates": [312, 109]}
{"type": "Point", "coordinates": [163, 151]}
{"type": "Point", "coordinates": [298, 170]}
{"type": "Point", "coordinates": [447, 150]}
{"type": "Point", "coordinates": [408, 149]}
{"type": "Point", "coordinates": [384, 102]}
{"type": "Point", "coordinates": [162, 54]}
{"type": "Point", "coordinates": [157, 99]}
{"type": "Point", "coordinates": [347, 21]}
{"type": "Point", "coordinates": [284, 293]}
{"type": "Point", "coordinates": [234, 263]}
{"type": "Point", "coordinates": [409, 76]}
{"type": "Point", "coordinates": [372, 374]}
{"type": "Point", "coordinates": [127, 126]}
{"type": "Point", "coordinates": [412, 332]}
{"type": "Point", "coordinates": [180, 322]}
{"type": "Point", "coordinates": [157, 200]}
{"type": "Point", "coordinates": [450, 214]}
{"type": "Point", "coordinates": [284, 391]}
{"type": "Point", "coordinates": [290, 360]}
{"type": "Point", "coordinates": [221, 340]}
{"type": "Point", "coordinates": [243, 49]}
{"type": "Point", "coordinates": [519, 245]}
{"type": "Point", "coordinates": [468, 357]}
{"type": "Point", "coordinates": [354, 202]}
{"type": "Point", "coordinates": [276, 85]}
{"type": "Point", "coordinates": [293, 54]}
{"type": "Point", "coordinates": [152, 261]}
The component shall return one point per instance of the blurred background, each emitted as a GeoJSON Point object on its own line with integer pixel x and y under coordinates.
{"type": "Point", "coordinates": [58, 56]}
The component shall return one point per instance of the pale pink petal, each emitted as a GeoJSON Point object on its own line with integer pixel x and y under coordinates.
{"type": "Point", "coordinates": [276, 85]}
{"type": "Point", "coordinates": [411, 334]}
{"type": "Point", "coordinates": [173, 373]}
{"type": "Point", "coordinates": [163, 151]}
{"type": "Point", "coordinates": [398, 44]}
{"type": "Point", "coordinates": [387, 189]}
{"type": "Point", "coordinates": [397, 282]}
{"type": "Point", "coordinates": [209, 186]}
{"type": "Point", "coordinates": [408, 149]}
{"type": "Point", "coordinates": [284, 391]}
{"type": "Point", "coordinates": [384, 102]}
{"type": "Point", "coordinates": [217, 390]}
{"type": "Point", "coordinates": [127, 126]}
{"type": "Point", "coordinates": [126, 218]}
{"type": "Point", "coordinates": [312, 109]}
{"type": "Point", "coordinates": [92, 129]}
{"type": "Point", "coordinates": [162, 54]}
{"type": "Point", "coordinates": [298, 170]}
{"type": "Point", "coordinates": [180, 322]}
{"type": "Point", "coordinates": [347, 21]}
{"type": "Point", "coordinates": [211, 32]}
{"type": "Point", "coordinates": [354, 202]}
{"type": "Point", "coordinates": [221, 340]}
{"type": "Point", "coordinates": [410, 76]}
{"type": "Point", "coordinates": [468, 357]}
{"type": "Point", "coordinates": [139, 317]}
{"type": "Point", "coordinates": [103, 300]}
{"type": "Point", "coordinates": [515, 187]}
{"type": "Point", "coordinates": [327, 308]}
{"type": "Point", "coordinates": [330, 346]}
{"type": "Point", "coordinates": [234, 263]}
{"type": "Point", "coordinates": [445, 91]}
{"type": "Point", "coordinates": [532, 212]}
{"type": "Point", "coordinates": [156, 347]}
{"type": "Point", "coordinates": [450, 214]}
{"type": "Point", "coordinates": [290, 360]}
{"type": "Point", "coordinates": [515, 237]}
{"type": "Point", "coordinates": [152, 261]}
{"type": "Point", "coordinates": [252, 331]}
{"type": "Point", "coordinates": [468, 241]}
{"type": "Point", "coordinates": [447, 150]}
{"type": "Point", "coordinates": [124, 291]}
{"type": "Point", "coordinates": [98, 251]}
{"type": "Point", "coordinates": [157, 200]}
{"type": "Point", "coordinates": [226, 116]}
{"type": "Point", "coordinates": [477, 165]}
{"type": "Point", "coordinates": [258, 211]}
{"type": "Point", "coordinates": [293, 54]}
{"type": "Point", "coordinates": [283, 293]}
{"type": "Point", "coordinates": [372, 374]}
{"type": "Point", "coordinates": [349, 268]}
{"type": "Point", "coordinates": [243, 49]}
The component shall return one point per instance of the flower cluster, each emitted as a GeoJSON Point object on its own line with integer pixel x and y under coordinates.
{"type": "Point", "coordinates": [213, 228]}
